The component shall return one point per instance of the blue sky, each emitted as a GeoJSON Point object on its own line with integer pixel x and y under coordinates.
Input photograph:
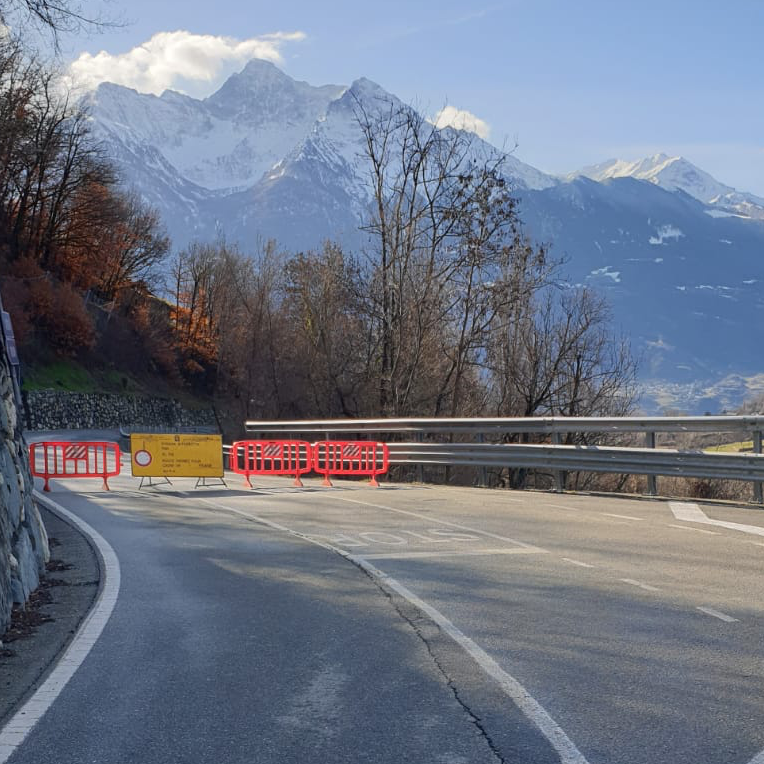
{"type": "Point", "coordinates": [572, 83]}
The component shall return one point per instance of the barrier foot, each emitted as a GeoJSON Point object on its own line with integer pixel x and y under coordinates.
{"type": "Point", "coordinates": [327, 482]}
{"type": "Point", "coordinates": [297, 482]}
{"type": "Point", "coordinates": [46, 487]}
{"type": "Point", "coordinates": [247, 482]}
{"type": "Point", "coordinates": [373, 482]}
{"type": "Point", "coordinates": [105, 485]}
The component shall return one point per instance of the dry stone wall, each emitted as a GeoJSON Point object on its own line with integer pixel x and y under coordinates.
{"type": "Point", "coordinates": [23, 540]}
{"type": "Point", "coordinates": [58, 410]}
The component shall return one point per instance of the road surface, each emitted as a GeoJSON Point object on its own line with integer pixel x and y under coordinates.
{"type": "Point", "coordinates": [414, 623]}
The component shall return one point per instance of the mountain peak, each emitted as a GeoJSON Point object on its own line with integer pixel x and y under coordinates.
{"type": "Point", "coordinates": [676, 173]}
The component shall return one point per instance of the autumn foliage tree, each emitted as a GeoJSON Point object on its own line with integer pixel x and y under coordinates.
{"type": "Point", "coordinates": [66, 228]}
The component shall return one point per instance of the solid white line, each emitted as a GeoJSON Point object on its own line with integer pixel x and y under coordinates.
{"type": "Point", "coordinates": [446, 553]}
{"type": "Point", "coordinates": [697, 530]}
{"type": "Point", "coordinates": [646, 587]}
{"type": "Point", "coordinates": [578, 562]}
{"type": "Point", "coordinates": [532, 709]}
{"type": "Point", "coordinates": [22, 722]}
{"type": "Point", "coordinates": [716, 614]}
{"type": "Point", "coordinates": [623, 517]}
{"type": "Point", "coordinates": [442, 522]}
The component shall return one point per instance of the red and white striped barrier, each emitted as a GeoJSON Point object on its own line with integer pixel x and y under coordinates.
{"type": "Point", "coordinates": [81, 459]}
{"type": "Point", "coordinates": [350, 458]}
{"type": "Point", "coordinates": [271, 457]}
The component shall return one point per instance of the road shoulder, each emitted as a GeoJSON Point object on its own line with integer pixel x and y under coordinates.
{"type": "Point", "coordinates": [65, 596]}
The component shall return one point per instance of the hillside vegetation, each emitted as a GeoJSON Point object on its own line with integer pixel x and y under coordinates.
{"type": "Point", "coordinates": [449, 310]}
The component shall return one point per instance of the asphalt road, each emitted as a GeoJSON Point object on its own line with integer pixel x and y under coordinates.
{"type": "Point", "coordinates": [416, 624]}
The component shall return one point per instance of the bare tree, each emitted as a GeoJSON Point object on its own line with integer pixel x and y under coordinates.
{"type": "Point", "coordinates": [445, 231]}
{"type": "Point", "coordinates": [55, 17]}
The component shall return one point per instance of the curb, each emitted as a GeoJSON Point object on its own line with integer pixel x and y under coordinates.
{"type": "Point", "coordinates": [17, 728]}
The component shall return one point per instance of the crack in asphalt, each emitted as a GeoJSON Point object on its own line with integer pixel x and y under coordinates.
{"type": "Point", "coordinates": [475, 720]}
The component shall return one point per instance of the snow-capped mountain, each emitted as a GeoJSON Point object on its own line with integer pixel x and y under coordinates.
{"type": "Point", "coordinates": [680, 255]}
{"type": "Point", "coordinates": [678, 174]}
{"type": "Point", "coordinates": [224, 142]}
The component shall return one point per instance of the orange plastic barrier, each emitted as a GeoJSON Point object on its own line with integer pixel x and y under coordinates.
{"type": "Point", "coordinates": [358, 457]}
{"type": "Point", "coordinates": [271, 457]}
{"type": "Point", "coordinates": [76, 459]}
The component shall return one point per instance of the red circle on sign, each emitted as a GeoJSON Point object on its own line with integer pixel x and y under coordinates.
{"type": "Point", "coordinates": [142, 458]}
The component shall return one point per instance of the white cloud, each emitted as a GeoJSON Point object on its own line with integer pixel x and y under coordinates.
{"type": "Point", "coordinates": [450, 116]}
{"type": "Point", "coordinates": [191, 63]}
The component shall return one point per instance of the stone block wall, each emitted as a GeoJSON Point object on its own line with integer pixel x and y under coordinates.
{"type": "Point", "coordinates": [23, 540]}
{"type": "Point", "coordinates": [58, 410]}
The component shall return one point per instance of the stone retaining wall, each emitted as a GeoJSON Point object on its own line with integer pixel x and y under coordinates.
{"type": "Point", "coordinates": [57, 410]}
{"type": "Point", "coordinates": [23, 540]}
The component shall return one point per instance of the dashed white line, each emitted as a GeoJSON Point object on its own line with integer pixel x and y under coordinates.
{"type": "Point", "coordinates": [646, 587]}
{"type": "Point", "coordinates": [563, 506]}
{"type": "Point", "coordinates": [447, 553]}
{"type": "Point", "coordinates": [697, 530]}
{"type": "Point", "coordinates": [623, 517]}
{"type": "Point", "coordinates": [578, 562]}
{"type": "Point", "coordinates": [22, 722]}
{"type": "Point", "coordinates": [717, 614]}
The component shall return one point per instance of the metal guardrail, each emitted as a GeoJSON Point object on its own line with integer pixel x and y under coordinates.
{"type": "Point", "coordinates": [648, 461]}
{"type": "Point", "coordinates": [546, 425]}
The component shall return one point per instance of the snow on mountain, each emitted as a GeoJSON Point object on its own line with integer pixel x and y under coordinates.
{"type": "Point", "coordinates": [678, 174]}
{"type": "Point", "coordinates": [225, 142]}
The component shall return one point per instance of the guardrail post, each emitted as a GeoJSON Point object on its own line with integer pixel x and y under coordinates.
{"type": "Point", "coordinates": [483, 474]}
{"type": "Point", "coordinates": [758, 495]}
{"type": "Point", "coordinates": [652, 480]}
{"type": "Point", "coordinates": [559, 475]}
{"type": "Point", "coordinates": [420, 467]}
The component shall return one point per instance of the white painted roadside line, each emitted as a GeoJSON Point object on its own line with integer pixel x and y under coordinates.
{"type": "Point", "coordinates": [578, 562]}
{"type": "Point", "coordinates": [716, 614]}
{"type": "Point", "coordinates": [646, 587]}
{"type": "Point", "coordinates": [446, 553]}
{"type": "Point", "coordinates": [530, 707]}
{"type": "Point", "coordinates": [696, 530]}
{"type": "Point", "coordinates": [441, 522]}
{"type": "Point", "coordinates": [22, 722]}
{"type": "Point", "coordinates": [692, 513]}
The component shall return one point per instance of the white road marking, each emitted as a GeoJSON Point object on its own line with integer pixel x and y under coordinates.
{"type": "Point", "coordinates": [529, 706]}
{"type": "Point", "coordinates": [562, 506]}
{"type": "Point", "coordinates": [696, 530]}
{"type": "Point", "coordinates": [578, 562]}
{"type": "Point", "coordinates": [692, 513]}
{"type": "Point", "coordinates": [447, 553]}
{"type": "Point", "coordinates": [646, 587]}
{"type": "Point", "coordinates": [437, 520]}
{"type": "Point", "coordinates": [381, 537]}
{"type": "Point", "coordinates": [21, 723]}
{"type": "Point", "coordinates": [623, 517]}
{"type": "Point", "coordinates": [716, 614]}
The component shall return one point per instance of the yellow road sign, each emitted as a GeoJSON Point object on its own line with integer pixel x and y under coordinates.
{"type": "Point", "coordinates": [165, 455]}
